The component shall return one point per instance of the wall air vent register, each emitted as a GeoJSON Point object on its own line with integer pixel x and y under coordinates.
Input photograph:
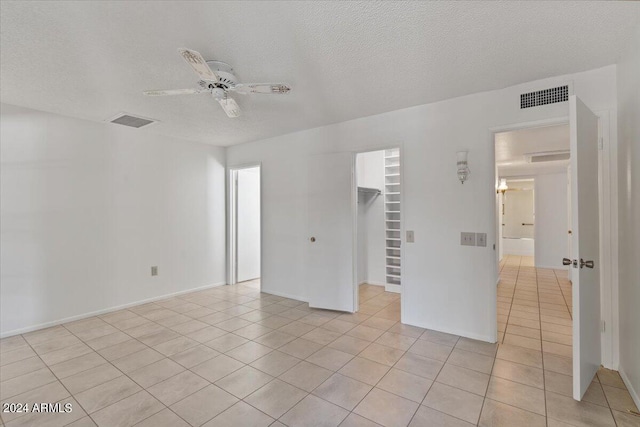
{"type": "Point", "coordinates": [544, 97]}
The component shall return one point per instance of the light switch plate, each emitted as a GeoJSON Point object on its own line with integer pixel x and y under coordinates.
{"type": "Point", "coordinates": [467, 239]}
{"type": "Point", "coordinates": [154, 270]}
{"type": "Point", "coordinates": [410, 236]}
{"type": "Point", "coordinates": [481, 239]}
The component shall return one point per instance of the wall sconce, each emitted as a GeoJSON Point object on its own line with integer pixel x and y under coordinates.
{"type": "Point", "coordinates": [502, 187]}
{"type": "Point", "coordinates": [463, 168]}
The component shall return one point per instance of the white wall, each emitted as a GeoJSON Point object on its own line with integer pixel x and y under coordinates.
{"type": "Point", "coordinates": [371, 225]}
{"type": "Point", "coordinates": [87, 208]}
{"type": "Point", "coordinates": [551, 220]}
{"type": "Point", "coordinates": [436, 269]}
{"type": "Point", "coordinates": [248, 244]}
{"type": "Point", "coordinates": [522, 246]}
{"type": "Point", "coordinates": [629, 214]}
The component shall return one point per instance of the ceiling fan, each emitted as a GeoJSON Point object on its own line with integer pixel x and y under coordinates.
{"type": "Point", "coordinates": [218, 79]}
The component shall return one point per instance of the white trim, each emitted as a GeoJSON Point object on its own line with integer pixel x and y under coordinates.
{"type": "Point", "coordinates": [466, 334]}
{"type": "Point", "coordinates": [633, 392]}
{"type": "Point", "coordinates": [608, 216]}
{"type": "Point", "coordinates": [397, 289]}
{"type": "Point", "coordinates": [285, 295]}
{"type": "Point", "coordinates": [373, 283]}
{"type": "Point", "coordinates": [105, 310]}
{"type": "Point", "coordinates": [532, 124]}
{"type": "Point", "coordinates": [553, 267]}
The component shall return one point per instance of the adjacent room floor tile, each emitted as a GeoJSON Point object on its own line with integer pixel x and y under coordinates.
{"type": "Point", "coordinates": [244, 381]}
{"type": "Point", "coordinates": [364, 370]}
{"type": "Point", "coordinates": [313, 411]}
{"type": "Point", "coordinates": [386, 408]}
{"type": "Point", "coordinates": [241, 414]}
{"type": "Point", "coordinates": [406, 385]}
{"type": "Point", "coordinates": [455, 402]}
{"type": "Point", "coordinates": [306, 376]}
{"type": "Point", "coordinates": [203, 405]}
{"type": "Point", "coordinates": [343, 391]}
{"type": "Point", "coordinates": [305, 366]}
{"type": "Point", "coordinates": [276, 398]}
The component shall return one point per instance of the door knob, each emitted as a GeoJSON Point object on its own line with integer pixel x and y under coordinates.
{"type": "Point", "coordinates": [588, 264]}
{"type": "Point", "coordinates": [313, 239]}
{"type": "Point", "coordinates": [566, 261]}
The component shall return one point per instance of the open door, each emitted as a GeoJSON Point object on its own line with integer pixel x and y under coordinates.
{"type": "Point", "coordinates": [248, 224]}
{"type": "Point", "coordinates": [331, 238]}
{"type": "Point", "coordinates": [585, 245]}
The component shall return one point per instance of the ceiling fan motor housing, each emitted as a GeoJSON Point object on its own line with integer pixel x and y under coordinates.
{"type": "Point", "coordinates": [227, 77]}
{"type": "Point", "coordinates": [218, 93]}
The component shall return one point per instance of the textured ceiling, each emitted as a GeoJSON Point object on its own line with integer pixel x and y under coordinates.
{"type": "Point", "coordinates": [343, 59]}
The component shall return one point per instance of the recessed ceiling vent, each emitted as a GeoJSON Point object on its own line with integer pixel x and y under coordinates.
{"type": "Point", "coordinates": [548, 156]}
{"type": "Point", "coordinates": [544, 97]}
{"type": "Point", "coordinates": [131, 121]}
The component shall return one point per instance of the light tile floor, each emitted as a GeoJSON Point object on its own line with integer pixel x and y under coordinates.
{"type": "Point", "coordinates": [232, 356]}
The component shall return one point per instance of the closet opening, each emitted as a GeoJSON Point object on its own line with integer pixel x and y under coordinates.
{"type": "Point", "coordinates": [245, 226]}
{"type": "Point", "coordinates": [379, 232]}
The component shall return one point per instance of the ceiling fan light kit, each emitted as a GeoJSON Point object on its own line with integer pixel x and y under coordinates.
{"type": "Point", "coordinates": [219, 79]}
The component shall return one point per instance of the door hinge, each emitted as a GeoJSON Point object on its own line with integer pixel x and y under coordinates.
{"type": "Point", "coordinates": [600, 144]}
{"type": "Point", "coordinates": [603, 326]}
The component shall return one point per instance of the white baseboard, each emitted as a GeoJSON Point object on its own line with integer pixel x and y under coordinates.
{"type": "Point", "coordinates": [285, 295]}
{"type": "Point", "coordinates": [103, 311]}
{"type": "Point", "coordinates": [393, 288]}
{"type": "Point", "coordinates": [552, 267]}
{"type": "Point", "coordinates": [632, 391]}
{"type": "Point", "coordinates": [372, 282]}
{"type": "Point", "coordinates": [466, 334]}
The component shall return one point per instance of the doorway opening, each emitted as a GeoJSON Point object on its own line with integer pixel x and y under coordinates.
{"type": "Point", "coordinates": [534, 301]}
{"type": "Point", "coordinates": [245, 226]}
{"type": "Point", "coordinates": [517, 213]}
{"type": "Point", "coordinates": [379, 232]}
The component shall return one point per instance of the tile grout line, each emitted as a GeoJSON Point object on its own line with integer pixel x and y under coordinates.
{"type": "Point", "coordinates": [513, 296]}
{"type": "Point", "coordinates": [544, 375]}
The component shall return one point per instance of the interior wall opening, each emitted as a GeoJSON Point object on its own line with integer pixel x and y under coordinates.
{"type": "Point", "coordinates": [379, 228]}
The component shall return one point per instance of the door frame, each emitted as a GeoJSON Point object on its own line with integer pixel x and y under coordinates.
{"type": "Point", "coordinates": [354, 212]}
{"type": "Point", "coordinates": [232, 220]}
{"type": "Point", "coordinates": [608, 190]}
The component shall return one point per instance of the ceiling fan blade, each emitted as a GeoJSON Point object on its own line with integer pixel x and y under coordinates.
{"type": "Point", "coordinates": [173, 92]}
{"type": "Point", "coordinates": [199, 65]}
{"type": "Point", "coordinates": [230, 106]}
{"type": "Point", "coordinates": [247, 88]}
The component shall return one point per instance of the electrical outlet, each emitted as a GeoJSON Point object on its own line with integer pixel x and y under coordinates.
{"type": "Point", "coordinates": [154, 270]}
{"type": "Point", "coordinates": [481, 239]}
{"type": "Point", "coordinates": [410, 236]}
{"type": "Point", "coordinates": [467, 239]}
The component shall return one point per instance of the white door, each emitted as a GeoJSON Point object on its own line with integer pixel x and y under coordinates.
{"type": "Point", "coordinates": [248, 224]}
{"type": "Point", "coordinates": [585, 276]}
{"type": "Point", "coordinates": [330, 243]}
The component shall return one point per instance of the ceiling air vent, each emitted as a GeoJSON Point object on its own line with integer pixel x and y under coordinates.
{"type": "Point", "coordinates": [547, 156]}
{"type": "Point", "coordinates": [544, 97]}
{"type": "Point", "coordinates": [131, 121]}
